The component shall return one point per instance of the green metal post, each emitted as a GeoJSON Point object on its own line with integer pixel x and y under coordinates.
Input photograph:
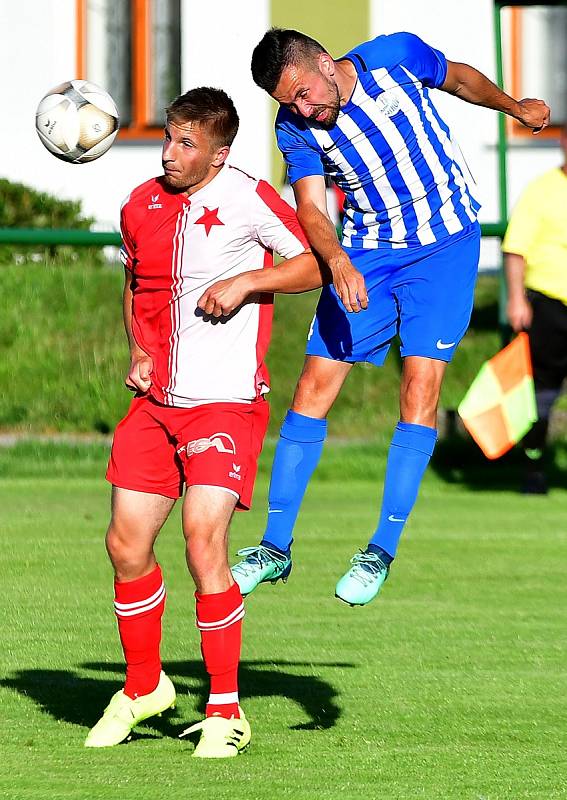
{"type": "Point", "coordinates": [502, 143]}
{"type": "Point", "coordinates": [55, 236]}
{"type": "Point", "coordinates": [502, 152]}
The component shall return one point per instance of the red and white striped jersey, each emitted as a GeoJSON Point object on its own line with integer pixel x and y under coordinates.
{"type": "Point", "coordinates": [176, 247]}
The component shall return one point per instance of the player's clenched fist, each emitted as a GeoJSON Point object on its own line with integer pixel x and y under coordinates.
{"type": "Point", "coordinates": [223, 297]}
{"type": "Point", "coordinates": [138, 378]}
{"type": "Point", "coordinates": [533, 114]}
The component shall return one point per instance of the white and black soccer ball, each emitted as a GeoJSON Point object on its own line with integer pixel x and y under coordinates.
{"type": "Point", "coordinates": [77, 121]}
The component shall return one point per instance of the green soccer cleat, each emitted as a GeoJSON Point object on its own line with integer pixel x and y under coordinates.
{"type": "Point", "coordinates": [364, 579]}
{"type": "Point", "coordinates": [221, 737]}
{"type": "Point", "coordinates": [123, 714]}
{"type": "Point", "coordinates": [261, 564]}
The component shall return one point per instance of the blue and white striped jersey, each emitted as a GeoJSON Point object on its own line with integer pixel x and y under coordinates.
{"type": "Point", "coordinates": [389, 151]}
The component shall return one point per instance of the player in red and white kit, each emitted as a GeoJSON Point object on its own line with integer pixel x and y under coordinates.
{"type": "Point", "coordinates": [199, 416]}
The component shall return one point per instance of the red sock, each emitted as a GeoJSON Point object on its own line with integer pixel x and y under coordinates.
{"type": "Point", "coordinates": [219, 618]}
{"type": "Point", "coordinates": [139, 607]}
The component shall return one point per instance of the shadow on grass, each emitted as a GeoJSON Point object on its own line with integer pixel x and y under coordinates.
{"type": "Point", "coordinates": [458, 460]}
{"type": "Point", "coordinates": [80, 700]}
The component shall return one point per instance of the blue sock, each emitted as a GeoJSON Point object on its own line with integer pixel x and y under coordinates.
{"type": "Point", "coordinates": [408, 457]}
{"type": "Point", "coordinates": [297, 454]}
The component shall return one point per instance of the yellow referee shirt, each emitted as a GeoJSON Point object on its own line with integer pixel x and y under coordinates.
{"type": "Point", "coordinates": [537, 230]}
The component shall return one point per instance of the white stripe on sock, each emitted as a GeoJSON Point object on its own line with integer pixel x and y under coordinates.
{"type": "Point", "coordinates": [223, 699]}
{"type": "Point", "coordinates": [138, 603]}
{"type": "Point", "coordinates": [223, 623]}
{"type": "Point", "coordinates": [227, 625]}
{"type": "Point", "coordinates": [142, 609]}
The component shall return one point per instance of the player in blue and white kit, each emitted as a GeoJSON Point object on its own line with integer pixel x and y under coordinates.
{"type": "Point", "coordinates": [407, 264]}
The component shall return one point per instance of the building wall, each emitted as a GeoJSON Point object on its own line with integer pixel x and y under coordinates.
{"type": "Point", "coordinates": [40, 56]}
{"type": "Point", "coordinates": [216, 47]}
{"type": "Point", "coordinates": [216, 52]}
{"type": "Point", "coordinates": [329, 23]}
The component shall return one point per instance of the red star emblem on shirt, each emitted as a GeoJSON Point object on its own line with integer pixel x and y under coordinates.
{"type": "Point", "coordinates": [209, 218]}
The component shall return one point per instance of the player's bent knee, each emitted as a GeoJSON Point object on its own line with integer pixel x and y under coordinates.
{"type": "Point", "coordinates": [205, 549]}
{"type": "Point", "coordinates": [420, 411]}
{"type": "Point", "coordinates": [200, 547]}
{"type": "Point", "coordinates": [419, 398]}
{"type": "Point", "coordinates": [313, 397]}
{"type": "Point", "coordinates": [125, 549]}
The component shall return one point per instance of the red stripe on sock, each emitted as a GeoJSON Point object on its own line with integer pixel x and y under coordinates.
{"type": "Point", "coordinates": [220, 647]}
{"type": "Point", "coordinates": [140, 633]}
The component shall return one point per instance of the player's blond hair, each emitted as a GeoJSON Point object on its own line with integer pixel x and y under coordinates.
{"type": "Point", "coordinates": [211, 108]}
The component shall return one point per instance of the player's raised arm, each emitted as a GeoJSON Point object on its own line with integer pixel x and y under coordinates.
{"type": "Point", "coordinates": [301, 273]}
{"type": "Point", "coordinates": [469, 84]}
{"type": "Point", "coordinates": [276, 227]}
{"type": "Point", "coordinates": [311, 198]}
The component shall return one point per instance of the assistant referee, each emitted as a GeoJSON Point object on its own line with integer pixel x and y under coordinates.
{"type": "Point", "coordinates": [535, 248]}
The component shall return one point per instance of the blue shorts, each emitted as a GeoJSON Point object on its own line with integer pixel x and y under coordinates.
{"type": "Point", "coordinates": [424, 294]}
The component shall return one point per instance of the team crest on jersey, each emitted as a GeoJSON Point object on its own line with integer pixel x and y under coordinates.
{"type": "Point", "coordinates": [388, 102]}
{"type": "Point", "coordinates": [154, 203]}
{"type": "Point", "coordinates": [209, 219]}
{"type": "Point", "coordinates": [223, 442]}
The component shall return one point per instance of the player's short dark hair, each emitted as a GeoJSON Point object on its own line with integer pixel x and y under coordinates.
{"type": "Point", "coordinates": [278, 49]}
{"type": "Point", "coordinates": [211, 107]}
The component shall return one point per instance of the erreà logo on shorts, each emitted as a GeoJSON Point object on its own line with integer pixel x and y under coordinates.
{"type": "Point", "coordinates": [236, 472]}
{"type": "Point", "coordinates": [223, 442]}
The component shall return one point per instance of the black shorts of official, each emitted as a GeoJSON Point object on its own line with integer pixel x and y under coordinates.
{"type": "Point", "coordinates": [548, 340]}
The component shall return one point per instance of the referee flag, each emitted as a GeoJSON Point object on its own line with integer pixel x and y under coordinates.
{"type": "Point", "coordinates": [499, 407]}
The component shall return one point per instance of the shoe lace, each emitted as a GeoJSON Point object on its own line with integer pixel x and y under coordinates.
{"type": "Point", "coordinates": [232, 736]}
{"type": "Point", "coordinates": [198, 726]}
{"type": "Point", "coordinates": [367, 567]}
{"type": "Point", "coordinates": [257, 557]}
{"type": "Point", "coordinates": [120, 708]}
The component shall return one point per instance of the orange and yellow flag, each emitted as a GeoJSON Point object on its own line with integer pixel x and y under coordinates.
{"type": "Point", "coordinates": [499, 407]}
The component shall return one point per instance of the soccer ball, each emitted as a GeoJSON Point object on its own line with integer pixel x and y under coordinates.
{"type": "Point", "coordinates": [77, 121]}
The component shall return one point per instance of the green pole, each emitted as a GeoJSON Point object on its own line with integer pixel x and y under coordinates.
{"type": "Point", "coordinates": [502, 143]}
{"type": "Point", "coordinates": [502, 150]}
{"type": "Point", "coordinates": [55, 236]}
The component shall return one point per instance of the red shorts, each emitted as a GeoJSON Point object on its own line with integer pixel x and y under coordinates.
{"type": "Point", "coordinates": [157, 449]}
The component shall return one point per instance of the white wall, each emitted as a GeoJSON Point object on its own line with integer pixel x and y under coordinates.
{"type": "Point", "coordinates": [36, 57]}
{"type": "Point", "coordinates": [217, 40]}
{"type": "Point", "coordinates": [39, 56]}
{"type": "Point", "coordinates": [217, 50]}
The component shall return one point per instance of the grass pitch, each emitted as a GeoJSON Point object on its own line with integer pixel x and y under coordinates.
{"type": "Point", "coordinates": [66, 316]}
{"type": "Point", "coordinates": [452, 684]}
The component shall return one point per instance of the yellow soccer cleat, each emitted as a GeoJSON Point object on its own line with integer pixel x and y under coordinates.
{"type": "Point", "coordinates": [221, 737]}
{"type": "Point", "coordinates": [122, 714]}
